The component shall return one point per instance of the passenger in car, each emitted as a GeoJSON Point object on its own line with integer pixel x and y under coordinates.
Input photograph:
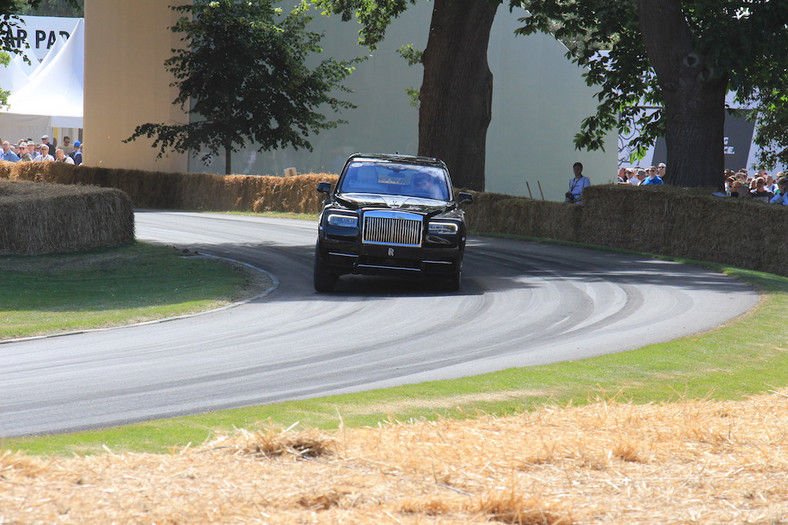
{"type": "Point", "coordinates": [426, 186]}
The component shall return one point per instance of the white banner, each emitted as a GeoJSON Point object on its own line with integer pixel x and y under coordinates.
{"type": "Point", "coordinates": [40, 33]}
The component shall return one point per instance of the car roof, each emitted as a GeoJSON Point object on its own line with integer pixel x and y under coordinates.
{"type": "Point", "coordinates": [396, 157]}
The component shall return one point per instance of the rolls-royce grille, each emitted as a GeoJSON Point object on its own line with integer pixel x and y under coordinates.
{"type": "Point", "coordinates": [392, 228]}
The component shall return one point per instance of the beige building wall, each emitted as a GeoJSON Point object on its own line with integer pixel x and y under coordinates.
{"type": "Point", "coordinates": [126, 44]}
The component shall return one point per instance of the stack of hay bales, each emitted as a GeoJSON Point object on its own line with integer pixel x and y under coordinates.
{"type": "Point", "coordinates": [52, 218]}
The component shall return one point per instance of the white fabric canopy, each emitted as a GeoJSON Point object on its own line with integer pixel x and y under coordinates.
{"type": "Point", "coordinates": [55, 88]}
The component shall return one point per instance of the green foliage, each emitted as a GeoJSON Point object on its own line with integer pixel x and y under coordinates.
{"type": "Point", "coordinates": [413, 57]}
{"type": "Point", "coordinates": [745, 41]}
{"type": "Point", "coordinates": [5, 59]}
{"type": "Point", "coordinates": [373, 15]}
{"type": "Point", "coordinates": [70, 8]}
{"type": "Point", "coordinates": [242, 76]}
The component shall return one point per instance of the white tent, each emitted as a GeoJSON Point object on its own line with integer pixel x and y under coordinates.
{"type": "Point", "coordinates": [14, 76]}
{"type": "Point", "coordinates": [53, 94]}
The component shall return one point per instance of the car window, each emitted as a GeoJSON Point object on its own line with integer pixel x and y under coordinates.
{"type": "Point", "coordinates": [396, 179]}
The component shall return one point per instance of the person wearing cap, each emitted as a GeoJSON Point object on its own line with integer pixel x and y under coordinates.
{"type": "Point", "coordinates": [74, 150]}
{"type": "Point", "coordinates": [49, 145]}
{"type": "Point", "coordinates": [44, 156]}
{"type": "Point", "coordinates": [77, 153]}
{"type": "Point", "coordinates": [24, 155]}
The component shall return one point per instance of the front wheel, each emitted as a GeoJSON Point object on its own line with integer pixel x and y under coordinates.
{"type": "Point", "coordinates": [323, 279]}
{"type": "Point", "coordinates": [452, 283]}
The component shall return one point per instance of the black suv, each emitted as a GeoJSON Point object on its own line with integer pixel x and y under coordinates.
{"type": "Point", "coordinates": [394, 215]}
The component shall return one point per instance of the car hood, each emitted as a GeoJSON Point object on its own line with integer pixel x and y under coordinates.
{"type": "Point", "coordinates": [398, 202]}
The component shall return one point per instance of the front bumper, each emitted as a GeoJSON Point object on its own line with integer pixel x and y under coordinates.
{"type": "Point", "coordinates": [345, 257]}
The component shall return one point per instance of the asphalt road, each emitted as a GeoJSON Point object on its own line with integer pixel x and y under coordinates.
{"type": "Point", "coordinates": [520, 304]}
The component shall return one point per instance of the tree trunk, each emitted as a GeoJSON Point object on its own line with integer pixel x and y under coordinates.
{"type": "Point", "coordinates": [228, 150]}
{"type": "Point", "coordinates": [456, 93]}
{"type": "Point", "coordinates": [694, 93]}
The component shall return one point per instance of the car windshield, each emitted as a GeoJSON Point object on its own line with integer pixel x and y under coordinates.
{"type": "Point", "coordinates": [389, 178]}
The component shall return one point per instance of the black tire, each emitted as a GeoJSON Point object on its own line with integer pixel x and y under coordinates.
{"type": "Point", "coordinates": [324, 280]}
{"type": "Point", "coordinates": [452, 284]}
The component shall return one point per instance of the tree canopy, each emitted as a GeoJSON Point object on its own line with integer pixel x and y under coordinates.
{"type": "Point", "coordinates": [677, 56]}
{"type": "Point", "coordinates": [69, 8]}
{"type": "Point", "coordinates": [672, 54]}
{"type": "Point", "coordinates": [243, 79]}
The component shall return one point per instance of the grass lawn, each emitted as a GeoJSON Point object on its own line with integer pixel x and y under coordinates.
{"type": "Point", "coordinates": [113, 286]}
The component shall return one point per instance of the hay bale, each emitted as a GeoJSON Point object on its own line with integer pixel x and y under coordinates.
{"type": "Point", "coordinates": [689, 223]}
{"type": "Point", "coordinates": [297, 194]}
{"type": "Point", "coordinates": [49, 218]}
{"type": "Point", "coordinates": [499, 213]}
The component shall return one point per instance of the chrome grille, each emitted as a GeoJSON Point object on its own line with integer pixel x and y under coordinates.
{"type": "Point", "coordinates": [386, 227]}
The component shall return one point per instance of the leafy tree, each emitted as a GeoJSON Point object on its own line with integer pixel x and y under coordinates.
{"type": "Point", "coordinates": [71, 8]}
{"type": "Point", "coordinates": [683, 57]}
{"type": "Point", "coordinates": [679, 55]}
{"type": "Point", "coordinates": [455, 98]}
{"type": "Point", "coordinates": [242, 77]}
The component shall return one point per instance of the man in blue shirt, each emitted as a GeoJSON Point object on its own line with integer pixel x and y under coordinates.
{"type": "Point", "coordinates": [653, 178]}
{"type": "Point", "coordinates": [7, 154]}
{"type": "Point", "coordinates": [577, 184]}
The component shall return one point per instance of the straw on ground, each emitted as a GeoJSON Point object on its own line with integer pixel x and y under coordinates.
{"type": "Point", "coordinates": [606, 462]}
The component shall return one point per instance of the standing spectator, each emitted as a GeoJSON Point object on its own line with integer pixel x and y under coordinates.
{"type": "Point", "coordinates": [77, 153]}
{"type": "Point", "coordinates": [759, 191]}
{"type": "Point", "coordinates": [622, 175]}
{"type": "Point", "coordinates": [33, 149]}
{"type": "Point", "coordinates": [738, 189]}
{"type": "Point", "coordinates": [44, 156]}
{"type": "Point", "coordinates": [23, 153]}
{"type": "Point", "coordinates": [45, 142]}
{"type": "Point", "coordinates": [577, 184]}
{"type": "Point", "coordinates": [60, 156]}
{"type": "Point", "coordinates": [73, 152]}
{"type": "Point", "coordinates": [661, 170]}
{"type": "Point", "coordinates": [7, 154]}
{"type": "Point", "coordinates": [653, 178]}
{"type": "Point", "coordinates": [67, 146]}
{"type": "Point", "coordinates": [782, 197]}
{"type": "Point", "coordinates": [640, 176]}
{"type": "Point", "coordinates": [771, 184]}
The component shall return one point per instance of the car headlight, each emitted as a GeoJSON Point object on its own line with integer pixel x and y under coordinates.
{"type": "Point", "coordinates": [443, 228]}
{"type": "Point", "coordinates": [344, 221]}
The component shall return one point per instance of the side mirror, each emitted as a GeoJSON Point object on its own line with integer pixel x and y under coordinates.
{"type": "Point", "coordinates": [324, 187]}
{"type": "Point", "coordinates": [464, 197]}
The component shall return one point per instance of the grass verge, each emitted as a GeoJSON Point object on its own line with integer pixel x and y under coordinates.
{"type": "Point", "coordinates": [112, 286]}
{"type": "Point", "coordinates": [748, 355]}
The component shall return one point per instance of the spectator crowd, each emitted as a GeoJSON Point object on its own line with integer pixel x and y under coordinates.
{"type": "Point", "coordinates": [760, 186]}
{"type": "Point", "coordinates": [25, 150]}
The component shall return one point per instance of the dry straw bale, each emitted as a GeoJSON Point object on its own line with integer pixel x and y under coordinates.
{"type": "Point", "coordinates": [52, 218]}
{"type": "Point", "coordinates": [665, 220]}
{"type": "Point", "coordinates": [606, 462]}
{"type": "Point", "coordinates": [689, 223]}
{"type": "Point", "coordinates": [296, 194]}
{"type": "Point", "coordinates": [499, 213]}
